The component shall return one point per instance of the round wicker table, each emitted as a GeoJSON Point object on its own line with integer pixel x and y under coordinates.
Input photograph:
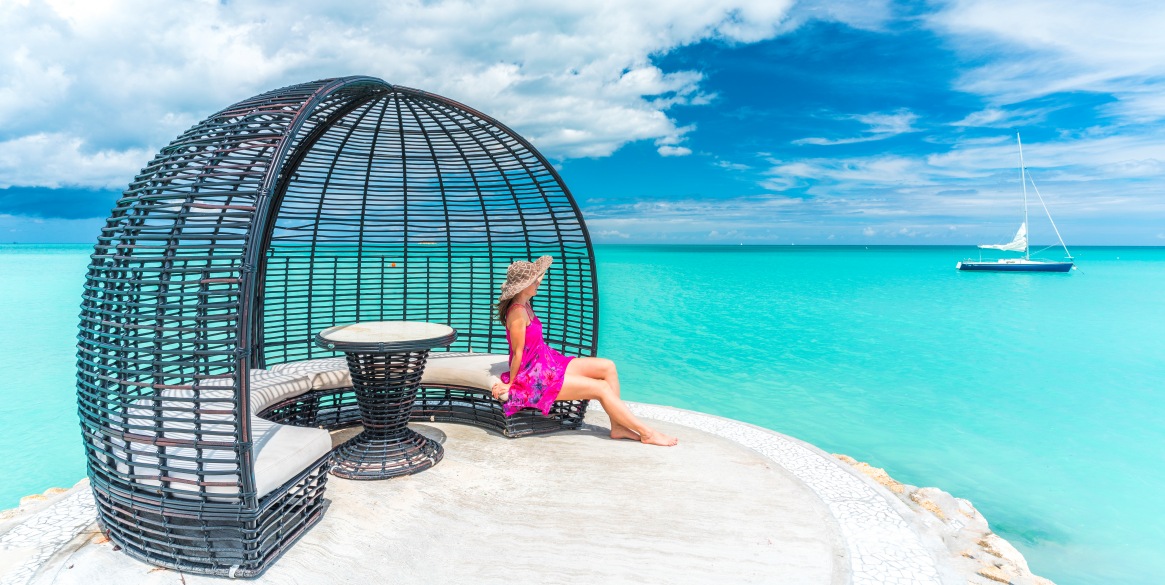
{"type": "Point", "coordinates": [386, 359]}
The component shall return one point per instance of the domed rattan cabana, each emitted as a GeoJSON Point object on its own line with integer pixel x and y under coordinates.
{"type": "Point", "coordinates": [330, 202]}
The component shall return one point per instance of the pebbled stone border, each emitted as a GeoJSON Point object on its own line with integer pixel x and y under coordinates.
{"type": "Point", "coordinates": [883, 548]}
{"type": "Point", "coordinates": [46, 532]}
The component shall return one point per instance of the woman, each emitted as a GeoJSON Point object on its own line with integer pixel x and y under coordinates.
{"type": "Point", "coordinates": [539, 375]}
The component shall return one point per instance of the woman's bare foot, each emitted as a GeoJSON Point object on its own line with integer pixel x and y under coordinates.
{"type": "Point", "coordinates": [653, 437]}
{"type": "Point", "coordinates": [619, 432]}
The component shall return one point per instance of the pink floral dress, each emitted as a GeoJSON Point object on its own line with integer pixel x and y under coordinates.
{"type": "Point", "coordinates": [540, 374]}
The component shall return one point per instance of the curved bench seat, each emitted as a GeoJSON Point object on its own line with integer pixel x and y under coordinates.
{"type": "Point", "coordinates": [161, 445]}
{"type": "Point", "coordinates": [479, 370]}
{"type": "Point", "coordinates": [268, 387]}
{"type": "Point", "coordinates": [321, 374]}
{"type": "Point", "coordinates": [179, 446]}
{"type": "Point", "coordinates": [455, 387]}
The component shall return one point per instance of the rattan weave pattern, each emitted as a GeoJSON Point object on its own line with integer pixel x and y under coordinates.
{"type": "Point", "coordinates": [386, 387]}
{"type": "Point", "coordinates": [337, 409]}
{"type": "Point", "coordinates": [323, 203]}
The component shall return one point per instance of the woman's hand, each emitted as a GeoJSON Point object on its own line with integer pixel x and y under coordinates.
{"type": "Point", "coordinates": [501, 391]}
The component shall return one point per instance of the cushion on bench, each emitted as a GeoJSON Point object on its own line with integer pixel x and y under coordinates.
{"type": "Point", "coordinates": [280, 452]}
{"type": "Point", "coordinates": [323, 373]}
{"type": "Point", "coordinates": [478, 370]}
{"type": "Point", "coordinates": [267, 387]}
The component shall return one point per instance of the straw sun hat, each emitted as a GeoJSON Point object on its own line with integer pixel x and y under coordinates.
{"type": "Point", "coordinates": [522, 274]}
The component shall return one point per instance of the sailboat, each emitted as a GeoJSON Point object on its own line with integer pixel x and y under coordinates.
{"type": "Point", "coordinates": [1020, 242]}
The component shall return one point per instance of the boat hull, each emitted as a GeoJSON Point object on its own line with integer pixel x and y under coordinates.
{"type": "Point", "coordinates": [1015, 266]}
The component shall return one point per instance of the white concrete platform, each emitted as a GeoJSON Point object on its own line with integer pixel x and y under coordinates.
{"type": "Point", "coordinates": [733, 503]}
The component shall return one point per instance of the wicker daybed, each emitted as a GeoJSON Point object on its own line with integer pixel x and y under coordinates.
{"type": "Point", "coordinates": [203, 399]}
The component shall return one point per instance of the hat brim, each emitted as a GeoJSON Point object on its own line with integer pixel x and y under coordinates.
{"type": "Point", "coordinates": [541, 265]}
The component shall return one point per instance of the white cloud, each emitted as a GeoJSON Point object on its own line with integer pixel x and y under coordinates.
{"type": "Point", "coordinates": [111, 79]}
{"type": "Point", "coordinates": [976, 183]}
{"type": "Point", "coordinates": [975, 161]}
{"type": "Point", "coordinates": [1034, 48]}
{"type": "Point", "coordinates": [1004, 118]}
{"type": "Point", "coordinates": [967, 194]}
{"type": "Point", "coordinates": [696, 214]}
{"type": "Point", "coordinates": [880, 126]}
{"type": "Point", "coordinates": [871, 15]}
{"type": "Point", "coordinates": [818, 141]}
{"type": "Point", "coordinates": [893, 123]}
{"type": "Point", "coordinates": [612, 234]}
{"type": "Point", "coordinates": [853, 171]}
{"type": "Point", "coordinates": [990, 117]}
{"type": "Point", "coordinates": [674, 150]}
{"type": "Point", "coordinates": [732, 166]}
{"type": "Point", "coordinates": [61, 160]}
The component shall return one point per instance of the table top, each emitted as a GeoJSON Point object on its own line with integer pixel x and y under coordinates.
{"type": "Point", "coordinates": [386, 336]}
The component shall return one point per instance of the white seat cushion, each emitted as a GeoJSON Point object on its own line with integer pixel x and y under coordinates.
{"type": "Point", "coordinates": [268, 387]}
{"type": "Point", "coordinates": [479, 370]}
{"type": "Point", "coordinates": [323, 373]}
{"type": "Point", "coordinates": [280, 452]}
{"type": "Point", "coordinates": [283, 451]}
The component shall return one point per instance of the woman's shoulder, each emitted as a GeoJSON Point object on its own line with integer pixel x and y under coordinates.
{"type": "Point", "coordinates": [521, 309]}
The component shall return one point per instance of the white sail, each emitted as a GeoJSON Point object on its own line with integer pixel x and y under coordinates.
{"type": "Point", "coordinates": [1018, 244]}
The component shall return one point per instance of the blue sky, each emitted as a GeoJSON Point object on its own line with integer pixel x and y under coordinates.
{"type": "Point", "coordinates": [708, 121]}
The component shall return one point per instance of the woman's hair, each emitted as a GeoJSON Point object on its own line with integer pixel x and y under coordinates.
{"type": "Point", "coordinates": [503, 308]}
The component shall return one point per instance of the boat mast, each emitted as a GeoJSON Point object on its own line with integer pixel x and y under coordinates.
{"type": "Point", "coordinates": [1023, 181]}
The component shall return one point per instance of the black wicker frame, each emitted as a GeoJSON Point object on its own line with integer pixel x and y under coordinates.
{"type": "Point", "coordinates": [337, 409]}
{"type": "Point", "coordinates": [324, 203]}
{"type": "Point", "coordinates": [385, 385]}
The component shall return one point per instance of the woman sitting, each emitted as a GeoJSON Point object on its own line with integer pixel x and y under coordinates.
{"type": "Point", "coordinates": [539, 375]}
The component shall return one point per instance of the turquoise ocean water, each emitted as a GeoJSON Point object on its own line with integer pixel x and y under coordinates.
{"type": "Point", "coordinates": [1036, 396]}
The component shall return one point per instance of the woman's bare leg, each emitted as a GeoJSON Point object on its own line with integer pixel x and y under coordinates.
{"type": "Point", "coordinates": [602, 369]}
{"type": "Point", "coordinates": [595, 368]}
{"type": "Point", "coordinates": [576, 387]}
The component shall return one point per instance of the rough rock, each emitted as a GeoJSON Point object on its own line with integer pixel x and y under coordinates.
{"type": "Point", "coordinates": [986, 557]}
{"type": "Point", "coordinates": [34, 498]}
{"type": "Point", "coordinates": [935, 501]}
{"type": "Point", "coordinates": [995, 574]}
{"type": "Point", "coordinates": [972, 519]}
{"type": "Point", "coordinates": [875, 473]}
{"type": "Point", "coordinates": [33, 503]}
{"type": "Point", "coordinates": [932, 508]}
